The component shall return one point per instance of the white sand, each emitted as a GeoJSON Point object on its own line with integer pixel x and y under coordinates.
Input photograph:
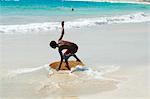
{"type": "Point", "coordinates": [123, 45]}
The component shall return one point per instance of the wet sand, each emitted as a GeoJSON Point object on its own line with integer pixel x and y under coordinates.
{"type": "Point", "coordinates": [122, 45]}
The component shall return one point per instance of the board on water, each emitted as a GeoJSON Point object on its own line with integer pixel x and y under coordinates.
{"type": "Point", "coordinates": [55, 65]}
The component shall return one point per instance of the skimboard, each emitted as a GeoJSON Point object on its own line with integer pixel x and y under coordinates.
{"type": "Point", "coordinates": [72, 64]}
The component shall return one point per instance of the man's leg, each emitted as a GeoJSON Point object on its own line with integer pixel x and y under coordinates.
{"type": "Point", "coordinates": [66, 61]}
{"type": "Point", "coordinates": [76, 58]}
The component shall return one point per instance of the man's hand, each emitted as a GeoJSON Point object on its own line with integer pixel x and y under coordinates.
{"type": "Point", "coordinates": [62, 23]}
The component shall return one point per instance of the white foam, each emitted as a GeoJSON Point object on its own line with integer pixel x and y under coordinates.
{"type": "Point", "coordinates": [78, 23]}
{"type": "Point", "coordinates": [85, 70]}
{"type": "Point", "coordinates": [113, 1]}
{"type": "Point", "coordinates": [27, 70]}
{"type": "Point", "coordinates": [29, 28]}
{"type": "Point", "coordinates": [96, 74]}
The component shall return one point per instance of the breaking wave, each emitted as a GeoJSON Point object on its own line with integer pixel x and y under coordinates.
{"type": "Point", "coordinates": [78, 23]}
{"type": "Point", "coordinates": [113, 1]}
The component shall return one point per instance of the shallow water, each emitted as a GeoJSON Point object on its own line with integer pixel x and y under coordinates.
{"type": "Point", "coordinates": [23, 73]}
{"type": "Point", "coordinates": [57, 83]}
{"type": "Point", "coordinates": [35, 11]}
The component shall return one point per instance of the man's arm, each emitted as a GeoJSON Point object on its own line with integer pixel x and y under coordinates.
{"type": "Point", "coordinates": [62, 33]}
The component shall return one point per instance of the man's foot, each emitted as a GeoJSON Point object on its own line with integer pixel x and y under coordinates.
{"type": "Point", "coordinates": [57, 69]}
{"type": "Point", "coordinates": [78, 61]}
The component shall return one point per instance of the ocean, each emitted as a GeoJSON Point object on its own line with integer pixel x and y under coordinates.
{"type": "Point", "coordinates": [20, 16]}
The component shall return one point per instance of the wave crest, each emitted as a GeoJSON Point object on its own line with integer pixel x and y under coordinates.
{"type": "Point", "coordinates": [78, 23]}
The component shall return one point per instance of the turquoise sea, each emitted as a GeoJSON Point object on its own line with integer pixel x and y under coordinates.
{"type": "Point", "coordinates": [46, 12]}
{"type": "Point", "coordinates": [63, 8]}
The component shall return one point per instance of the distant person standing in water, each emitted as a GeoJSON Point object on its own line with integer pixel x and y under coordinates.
{"type": "Point", "coordinates": [72, 9]}
{"type": "Point", "coordinates": [71, 49]}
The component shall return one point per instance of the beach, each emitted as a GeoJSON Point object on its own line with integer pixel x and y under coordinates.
{"type": "Point", "coordinates": [114, 49]}
{"type": "Point", "coordinates": [113, 45]}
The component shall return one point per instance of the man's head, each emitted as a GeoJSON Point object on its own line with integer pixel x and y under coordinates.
{"type": "Point", "coordinates": [53, 44]}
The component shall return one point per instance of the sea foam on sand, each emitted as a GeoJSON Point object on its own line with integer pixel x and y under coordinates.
{"type": "Point", "coordinates": [69, 82]}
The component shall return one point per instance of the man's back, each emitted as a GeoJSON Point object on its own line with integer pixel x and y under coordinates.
{"type": "Point", "coordinates": [62, 42]}
{"type": "Point", "coordinates": [71, 47]}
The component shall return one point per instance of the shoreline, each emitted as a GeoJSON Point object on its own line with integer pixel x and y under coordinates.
{"type": "Point", "coordinates": [114, 1]}
{"type": "Point", "coordinates": [122, 45]}
{"type": "Point", "coordinates": [76, 23]}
